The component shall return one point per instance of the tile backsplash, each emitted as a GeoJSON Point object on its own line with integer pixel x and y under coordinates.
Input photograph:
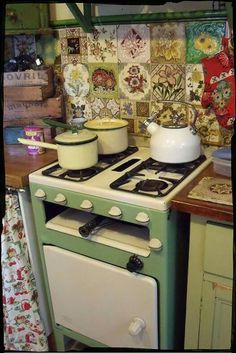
{"type": "Point", "coordinates": [133, 68]}
{"type": "Point", "coordinates": [126, 71]}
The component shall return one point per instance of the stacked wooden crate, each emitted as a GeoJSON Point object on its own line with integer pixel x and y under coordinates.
{"type": "Point", "coordinates": [28, 98]}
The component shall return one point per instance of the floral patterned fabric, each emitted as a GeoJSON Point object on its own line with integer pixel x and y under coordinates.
{"type": "Point", "coordinates": [23, 329]}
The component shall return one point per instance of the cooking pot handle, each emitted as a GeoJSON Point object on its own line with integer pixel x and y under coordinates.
{"type": "Point", "coordinates": [54, 123]}
{"type": "Point", "coordinates": [37, 143]}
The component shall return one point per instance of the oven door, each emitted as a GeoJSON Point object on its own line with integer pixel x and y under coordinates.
{"type": "Point", "coordinates": [102, 301]}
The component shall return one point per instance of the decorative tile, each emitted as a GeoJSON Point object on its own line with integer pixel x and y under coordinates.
{"type": "Point", "coordinates": [226, 136]}
{"type": "Point", "coordinates": [168, 43]}
{"type": "Point", "coordinates": [104, 80]}
{"type": "Point", "coordinates": [194, 83]}
{"type": "Point", "coordinates": [134, 81]}
{"type": "Point", "coordinates": [143, 109]}
{"type": "Point", "coordinates": [76, 80]}
{"type": "Point", "coordinates": [138, 129]}
{"type": "Point", "coordinates": [166, 111]}
{"type": "Point", "coordinates": [102, 44]}
{"type": "Point", "coordinates": [24, 45]}
{"type": "Point", "coordinates": [130, 127]}
{"type": "Point", "coordinates": [133, 43]}
{"type": "Point", "coordinates": [203, 39]}
{"type": "Point", "coordinates": [208, 127]}
{"type": "Point", "coordinates": [9, 52]}
{"type": "Point", "coordinates": [104, 108]}
{"type": "Point", "coordinates": [73, 42]}
{"type": "Point", "coordinates": [127, 109]}
{"type": "Point", "coordinates": [78, 107]}
{"type": "Point", "coordinates": [168, 82]}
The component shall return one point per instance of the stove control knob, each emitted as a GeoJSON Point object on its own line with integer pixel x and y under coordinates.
{"type": "Point", "coordinates": [155, 244]}
{"type": "Point", "coordinates": [40, 194]}
{"type": "Point", "coordinates": [134, 264]}
{"type": "Point", "coordinates": [142, 217]}
{"type": "Point", "coordinates": [61, 199]}
{"type": "Point", "coordinates": [86, 205]}
{"type": "Point", "coordinates": [137, 325]}
{"type": "Point", "coordinates": [115, 212]}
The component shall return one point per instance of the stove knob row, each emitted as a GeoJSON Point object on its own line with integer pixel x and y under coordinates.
{"type": "Point", "coordinates": [61, 199]}
{"type": "Point", "coordinates": [40, 194]}
{"type": "Point", "coordinates": [115, 212]}
{"type": "Point", "coordinates": [142, 217]}
{"type": "Point", "coordinates": [86, 205]}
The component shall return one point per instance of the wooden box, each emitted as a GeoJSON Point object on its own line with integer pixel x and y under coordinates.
{"type": "Point", "coordinates": [29, 78]}
{"type": "Point", "coordinates": [36, 93]}
{"type": "Point", "coordinates": [14, 110]}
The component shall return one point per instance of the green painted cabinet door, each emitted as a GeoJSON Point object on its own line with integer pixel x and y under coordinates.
{"type": "Point", "coordinates": [25, 17]}
{"type": "Point", "coordinates": [215, 318]}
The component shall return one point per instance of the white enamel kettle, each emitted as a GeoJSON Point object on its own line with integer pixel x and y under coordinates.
{"type": "Point", "coordinates": [174, 142]}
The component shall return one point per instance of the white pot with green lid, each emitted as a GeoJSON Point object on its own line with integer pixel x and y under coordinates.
{"type": "Point", "coordinates": [75, 150]}
{"type": "Point", "coordinates": [112, 134]}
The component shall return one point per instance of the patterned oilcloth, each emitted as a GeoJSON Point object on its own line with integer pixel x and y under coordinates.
{"type": "Point", "coordinates": [23, 328]}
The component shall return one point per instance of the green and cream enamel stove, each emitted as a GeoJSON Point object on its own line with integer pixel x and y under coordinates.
{"type": "Point", "coordinates": [108, 244]}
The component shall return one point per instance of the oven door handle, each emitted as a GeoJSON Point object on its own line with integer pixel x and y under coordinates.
{"type": "Point", "coordinates": [88, 227]}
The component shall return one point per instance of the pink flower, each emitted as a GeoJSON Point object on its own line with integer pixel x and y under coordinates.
{"type": "Point", "coordinates": [167, 76]}
{"type": "Point", "coordinates": [25, 306]}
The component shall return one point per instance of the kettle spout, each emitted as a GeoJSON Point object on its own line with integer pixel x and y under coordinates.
{"type": "Point", "coordinates": [150, 125]}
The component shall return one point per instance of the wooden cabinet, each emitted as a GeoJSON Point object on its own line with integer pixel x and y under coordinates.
{"type": "Point", "coordinates": [209, 291]}
{"type": "Point", "coordinates": [26, 17]}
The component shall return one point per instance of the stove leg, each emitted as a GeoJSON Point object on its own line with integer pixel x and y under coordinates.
{"type": "Point", "coordinates": [59, 340]}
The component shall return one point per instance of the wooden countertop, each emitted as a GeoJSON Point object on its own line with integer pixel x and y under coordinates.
{"type": "Point", "coordinates": [19, 164]}
{"type": "Point", "coordinates": [215, 211]}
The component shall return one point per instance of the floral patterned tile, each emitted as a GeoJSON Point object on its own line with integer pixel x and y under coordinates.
{"type": "Point", "coordinates": [194, 83]}
{"type": "Point", "coordinates": [168, 82]}
{"type": "Point", "coordinates": [168, 43]}
{"type": "Point", "coordinates": [166, 111]}
{"type": "Point", "coordinates": [133, 43]}
{"type": "Point", "coordinates": [104, 108]}
{"type": "Point", "coordinates": [76, 80]}
{"type": "Point", "coordinates": [73, 43]}
{"type": "Point", "coordinates": [103, 80]}
{"type": "Point", "coordinates": [139, 129]}
{"type": "Point", "coordinates": [127, 109]}
{"type": "Point", "coordinates": [102, 44]}
{"type": "Point", "coordinates": [203, 39]}
{"type": "Point", "coordinates": [134, 81]}
{"type": "Point", "coordinates": [208, 127]}
{"type": "Point", "coordinates": [78, 107]}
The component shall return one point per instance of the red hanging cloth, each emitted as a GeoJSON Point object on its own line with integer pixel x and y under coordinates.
{"type": "Point", "coordinates": [219, 91]}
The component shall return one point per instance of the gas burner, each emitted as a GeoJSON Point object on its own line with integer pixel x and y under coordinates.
{"type": "Point", "coordinates": [81, 174]}
{"type": "Point", "coordinates": [104, 161]}
{"type": "Point", "coordinates": [151, 185]}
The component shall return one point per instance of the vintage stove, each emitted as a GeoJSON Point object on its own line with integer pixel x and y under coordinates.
{"type": "Point", "coordinates": [108, 244]}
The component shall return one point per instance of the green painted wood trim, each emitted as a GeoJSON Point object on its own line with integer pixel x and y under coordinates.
{"type": "Point", "coordinates": [44, 15]}
{"type": "Point", "coordinates": [141, 18]}
{"type": "Point", "coordinates": [229, 10]}
{"type": "Point", "coordinates": [84, 21]}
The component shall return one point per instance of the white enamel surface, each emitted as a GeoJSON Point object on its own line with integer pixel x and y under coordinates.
{"type": "Point", "coordinates": [173, 145]}
{"type": "Point", "coordinates": [83, 306]}
{"type": "Point", "coordinates": [113, 139]}
{"type": "Point", "coordinates": [99, 184]}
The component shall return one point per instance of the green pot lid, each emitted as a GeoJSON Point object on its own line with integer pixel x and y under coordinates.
{"type": "Point", "coordinates": [102, 124]}
{"type": "Point", "coordinates": [78, 138]}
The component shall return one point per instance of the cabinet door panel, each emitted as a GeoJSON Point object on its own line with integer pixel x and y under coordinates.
{"type": "Point", "coordinates": [216, 313]}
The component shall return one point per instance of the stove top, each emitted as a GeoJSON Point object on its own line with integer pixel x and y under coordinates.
{"type": "Point", "coordinates": [154, 178]}
{"type": "Point", "coordinates": [135, 179]}
{"type": "Point", "coordinates": [104, 161]}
